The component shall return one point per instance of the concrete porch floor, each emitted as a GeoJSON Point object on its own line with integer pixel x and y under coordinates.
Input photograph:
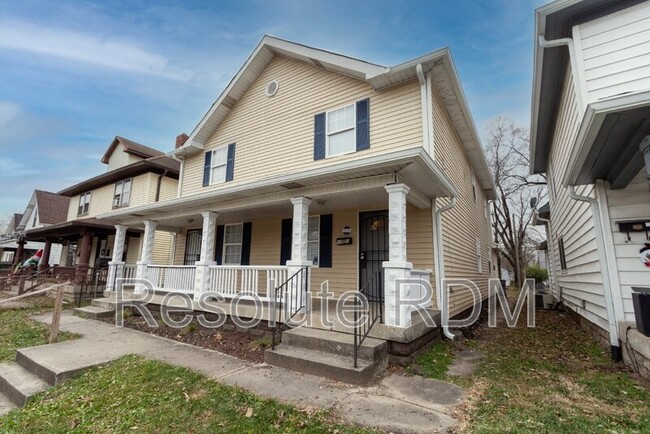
{"type": "Point", "coordinates": [315, 318]}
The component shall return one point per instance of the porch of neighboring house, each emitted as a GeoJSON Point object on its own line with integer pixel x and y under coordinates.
{"type": "Point", "coordinates": [86, 251]}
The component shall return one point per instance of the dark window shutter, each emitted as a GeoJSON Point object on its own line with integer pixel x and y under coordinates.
{"type": "Point", "coordinates": [230, 166]}
{"type": "Point", "coordinates": [285, 243]}
{"type": "Point", "coordinates": [246, 243]}
{"type": "Point", "coordinates": [206, 168]}
{"type": "Point", "coordinates": [218, 251]}
{"type": "Point", "coordinates": [319, 136]}
{"type": "Point", "coordinates": [325, 253]}
{"type": "Point", "coordinates": [363, 130]}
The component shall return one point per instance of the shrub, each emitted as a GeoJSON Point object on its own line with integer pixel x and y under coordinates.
{"type": "Point", "coordinates": [538, 273]}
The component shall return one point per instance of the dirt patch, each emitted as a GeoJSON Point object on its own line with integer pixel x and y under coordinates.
{"type": "Point", "coordinates": [247, 345]}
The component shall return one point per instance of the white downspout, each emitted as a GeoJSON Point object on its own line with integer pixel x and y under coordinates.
{"type": "Point", "coordinates": [440, 262]}
{"type": "Point", "coordinates": [609, 300]}
{"type": "Point", "coordinates": [181, 160]}
{"type": "Point", "coordinates": [426, 109]}
{"type": "Point", "coordinates": [575, 71]}
{"type": "Point", "coordinates": [550, 248]}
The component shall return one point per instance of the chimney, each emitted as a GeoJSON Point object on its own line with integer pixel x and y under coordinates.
{"type": "Point", "coordinates": [181, 139]}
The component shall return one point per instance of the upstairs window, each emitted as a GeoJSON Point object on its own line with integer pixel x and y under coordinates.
{"type": "Point", "coordinates": [84, 204]}
{"type": "Point", "coordinates": [474, 186]}
{"type": "Point", "coordinates": [218, 165]}
{"type": "Point", "coordinates": [479, 258]}
{"type": "Point", "coordinates": [122, 194]}
{"type": "Point", "coordinates": [341, 131]}
{"type": "Point", "coordinates": [560, 246]}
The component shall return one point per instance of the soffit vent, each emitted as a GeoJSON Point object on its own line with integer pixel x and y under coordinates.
{"type": "Point", "coordinates": [272, 88]}
{"type": "Point", "coordinates": [291, 185]}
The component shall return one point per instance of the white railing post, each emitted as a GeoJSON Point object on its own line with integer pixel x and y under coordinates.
{"type": "Point", "coordinates": [116, 265]}
{"type": "Point", "coordinates": [202, 273]}
{"type": "Point", "coordinates": [146, 256]}
{"type": "Point", "coordinates": [397, 269]}
{"type": "Point", "coordinates": [299, 242]}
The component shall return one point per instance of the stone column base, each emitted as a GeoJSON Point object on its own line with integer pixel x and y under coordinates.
{"type": "Point", "coordinates": [202, 278]}
{"type": "Point", "coordinates": [397, 311]}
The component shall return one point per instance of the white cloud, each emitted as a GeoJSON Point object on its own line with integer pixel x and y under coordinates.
{"type": "Point", "coordinates": [9, 112]}
{"type": "Point", "coordinates": [87, 48]}
{"type": "Point", "coordinates": [10, 168]}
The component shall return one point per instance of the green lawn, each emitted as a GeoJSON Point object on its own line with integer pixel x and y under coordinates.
{"type": "Point", "coordinates": [133, 394]}
{"type": "Point", "coordinates": [552, 378]}
{"type": "Point", "coordinates": [18, 331]}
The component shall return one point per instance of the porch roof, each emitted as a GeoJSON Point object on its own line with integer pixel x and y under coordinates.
{"type": "Point", "coordinates": [413, 166]}
{"type": "Point", "coordinates": [72, 228]}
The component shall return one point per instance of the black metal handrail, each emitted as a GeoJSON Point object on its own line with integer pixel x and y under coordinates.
{"type": "Point", "coordinates": [369, 304]}
{"type": "Point", "coordinates": [92, 276]}
{"type": "Point", "coordinates": [294, 303]}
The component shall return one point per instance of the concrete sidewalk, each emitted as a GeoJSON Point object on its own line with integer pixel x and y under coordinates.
{"type": "Point", "coordinates": [396, 404]}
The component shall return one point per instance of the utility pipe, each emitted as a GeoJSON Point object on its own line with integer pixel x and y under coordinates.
{"type": "Point", "coordinates": [426, 103]}
{"type": "Point", "coordinates": [609, 300]}
{"type": "Point", "coordinates": [181, 160]}
{"type": "Point", "coordinates": [441, 293]}
{"type": "Point", "coordinates": [551, 263]}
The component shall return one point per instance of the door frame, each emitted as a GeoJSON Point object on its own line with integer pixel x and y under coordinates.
{"type": "Point", "coordinates": [187, 232]}
{"type": "Point", "coordinates": [359, 214]}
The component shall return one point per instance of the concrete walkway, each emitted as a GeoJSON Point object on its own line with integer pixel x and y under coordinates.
{"type": "Point", "coordinates": [396, 404]}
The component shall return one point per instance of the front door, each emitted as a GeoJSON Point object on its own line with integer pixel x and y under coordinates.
{"type": "Point", "coordinates": [192, 247]}
{"type": "Point", "coordinates": [373, 250]}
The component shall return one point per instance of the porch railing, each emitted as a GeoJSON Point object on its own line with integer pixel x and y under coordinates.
{"type": "Point", "coordinates": [129, 271]}
{"type": "Point", "coordinates": [290, 299]}
{"type": "Point", "coordinates": [176, 278]}
{"type": "Point", "coordinates": [369, 308]}
{"type": "Point", "coordinates": [230, 280]}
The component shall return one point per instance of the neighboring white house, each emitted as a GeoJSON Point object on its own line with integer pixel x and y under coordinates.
{"type": "Point", "coordinates": [590, 133]}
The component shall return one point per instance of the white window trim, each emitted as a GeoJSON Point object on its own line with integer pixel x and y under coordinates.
{"type": "Point", "coordinates": [225, 244]}
{"type": "Point", "coordinates": [328, 132]}
{"type": "Point", "coordinates": [316, 241]}
{"type": "Point", "coordinates": [80, 207]}
{"type": "Point", "coordinates": [474, 190]}
{"type": "Point", "coordinates": [479, 256]}
{"type": "Point", "coordinates": [120, 184]}
{"type": "Point", "coordinates": [214, 166]}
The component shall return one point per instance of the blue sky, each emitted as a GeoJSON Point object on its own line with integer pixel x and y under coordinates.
{"type": "Point", "coordinates": [73, 74]}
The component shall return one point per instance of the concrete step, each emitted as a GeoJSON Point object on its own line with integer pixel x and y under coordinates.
{"type": "Point", "coordinates": [93, 312]}
{"type": "Point", "coordinates": [332, 342]}
{"type": "Point", "coordinates": [322, 364]}
{"type": "Point", "coordinates": [105, 303]}
{"type": "Point", "coordinates": [18, 384]}
{"type": "Point", "coordinates": [6, 405]}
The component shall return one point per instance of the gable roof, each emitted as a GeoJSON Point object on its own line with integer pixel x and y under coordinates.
{"type": "Point", "coordinates": [130, 147]}
{"type": "Point", "coordinates": [555, 21]}
{"type": "Point", "coordinates": [52, 208]}
{"type": "Point", "coordinates": [440, 62]}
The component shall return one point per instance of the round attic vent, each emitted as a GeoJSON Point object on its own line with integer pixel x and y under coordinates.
{"type": "Point", "coordinates": [272, 88]}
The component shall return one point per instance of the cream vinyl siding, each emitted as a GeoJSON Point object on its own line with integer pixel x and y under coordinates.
{"type": "Point", "coordinates": [119, 158]}
{"type": "Point", "coordinates": [343, 275]}
{"type": "Point", "coordinates": [162, 248]}
{"type": "Point", "coordinates": [581, 284]}
{"type": "Point", "coordinates": [275, 135]}
{"type": "Point", "coordinates": [629, 204]}
{"type": "Point", "coordinates": [615, 52]}
{"type": "Point", "coordinates": [143, 190]}
{"type": "Point", "coordinates": [462, 224]}
{"type": "Point", "coordinates": [132, 250]}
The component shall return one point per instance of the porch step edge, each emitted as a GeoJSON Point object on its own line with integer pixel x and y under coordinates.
{"type": "Point", "coordinates": [323, 364]}
{"type": "Point", "coordinates": [18, 384]}
{"type": "Point", "coordinates": [93, 312]}
{"type": "Point", "coordinates": [333, 342]}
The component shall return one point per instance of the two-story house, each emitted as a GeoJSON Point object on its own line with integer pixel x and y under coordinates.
{"type": "Point", "coordinates": [321, 168]}
{"type": "Point", "coordinates": [135, 175]}
{"type": "Point", "coordinates": [591, 136]}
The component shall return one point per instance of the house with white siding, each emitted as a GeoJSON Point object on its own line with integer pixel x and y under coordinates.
{"type": "Point", "coordinates": [135, 175]}
{"type": "Point", "coordinates": [314, 168]}
{"type": "Point", "coordinates": [590, 134]}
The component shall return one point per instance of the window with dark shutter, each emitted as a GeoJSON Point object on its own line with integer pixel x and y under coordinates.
{"type": "Point", "coordinates": [560, 246]}
{"type": "Point", "coordinates": [325, 254]}
{"type": "Point", "coordinates": [230, 165]}
{"type": "Point", "coordinates": [319, 136]}
{"type": "Point", "coordinates": [246, 243]}
{"type": "Point", "coordinates": [285, 242]}
{"type": "Point", "coordinates": [218, 251]}
{"type": "Point", "coordinates": [363, 130]}
{"type": "Point", "coordinates": [206, 168]}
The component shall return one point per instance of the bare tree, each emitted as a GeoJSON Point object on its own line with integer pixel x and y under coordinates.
{"type": "Point", "coordinates": [508, 156]}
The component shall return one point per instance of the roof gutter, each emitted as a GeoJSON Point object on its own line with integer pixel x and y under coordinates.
{"type": "Point", "coordinates": [603, 254]}
{"type": "Point", "coordinates": [441, 293]}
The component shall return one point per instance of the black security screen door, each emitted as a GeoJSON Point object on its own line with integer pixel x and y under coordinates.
{"type": "Point", "coordinates": [373, 250]}
{"type": "Point", "coordinates": [192, 247]}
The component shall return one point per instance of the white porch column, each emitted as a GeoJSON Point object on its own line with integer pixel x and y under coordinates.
{"type": "Point", "coordinates": [397, 269]}
{"type": "Point", "coordinates": [299, 241]}
{"type": "Point", "coordinates": [202, 273]}
{"type": "Point", "coordinates": [146, 256]}
{"type": "Point", "coordinates": [116, 265]}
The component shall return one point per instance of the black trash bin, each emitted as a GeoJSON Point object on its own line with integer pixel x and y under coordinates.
{"type": "Point", "coordinates": [641, 303]}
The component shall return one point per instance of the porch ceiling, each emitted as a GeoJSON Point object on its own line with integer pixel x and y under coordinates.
{"type": "Point", "coordinates": [350, 182]}
{"type": "Point", "coordinates": [608, 142]}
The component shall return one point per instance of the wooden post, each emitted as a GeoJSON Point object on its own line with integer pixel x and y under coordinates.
{"type": "Point", "coordinates": [56, 315]}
